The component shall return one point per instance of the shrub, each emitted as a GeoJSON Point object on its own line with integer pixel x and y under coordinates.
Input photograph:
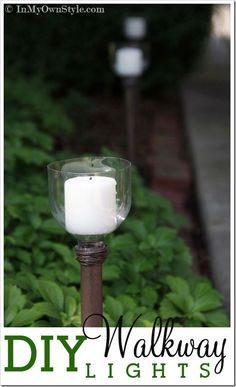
{"type": "Point", "coordinates": [72, 51]}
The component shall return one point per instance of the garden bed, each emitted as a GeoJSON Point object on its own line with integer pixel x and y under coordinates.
{"type": "Point", "coordinates": [149, 267]}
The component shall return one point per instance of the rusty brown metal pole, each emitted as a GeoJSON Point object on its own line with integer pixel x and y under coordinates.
{"type": "Point", "coordinates": [130, 86]}
{"type": "Point", "coordinates": [91, 257]}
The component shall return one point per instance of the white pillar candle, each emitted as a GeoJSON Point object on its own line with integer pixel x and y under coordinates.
{"type": "Point", "coordinates": [90, 205]}
{"type": "Point", "coordinates": [129, 61]}
{"type": "Point", "coordinates": [135, 27]}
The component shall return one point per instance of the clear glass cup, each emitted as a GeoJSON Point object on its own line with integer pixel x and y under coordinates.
{"type": "Point", "coordinates": [90, 196]}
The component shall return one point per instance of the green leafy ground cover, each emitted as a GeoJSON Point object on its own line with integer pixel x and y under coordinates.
{"type": "Point", "coordinates": [148, 269]}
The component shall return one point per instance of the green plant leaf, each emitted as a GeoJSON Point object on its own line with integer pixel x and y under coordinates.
{"type": "Point", "coordinates": [113, 307]}
{"type": "Point", "coordinates": [70, 306]}
{"type": "Point", "coordinates": [25, 318]}
{"type": "Point", "coordinates": [169, 310]}
{"type": "Point", "coordinates": [62, 250]}
{"type": "Point", "coordinates": [51, 227]}
{"type": "Point", "coordinates": [128, 303]}
{"type": "Point", "coordinates": [14, 296]}
{"type": "Point", "coordinates": [163, 237]}
{"type": "Point", "coordinates": [206, 298]}
{"type": "Point", "coordinates": [24, 256]}
{"type": "Point", "coordinates": [9, 314]}
{"type": "Point", "coordinates": [149, 296]}
{"type": "Point", "coordinates": [178, 285]}
{"type": "Point", "coordinates": [27, 281]}
{"type": "Point", "coordinates": [136, 227]}
{"type": "Point", "coordinates": [124, 242]}
{"type": "Point", "coordinates": [185, 304]}
{"type": "Point", "coordinates": [46, 309]}
{"type": "Point", "coordinates": [76, 321]}
{"type": "Point", "coordinates": [52, 293]}
{"type": "Point", "coordinates": [216, 318]}
{"type": "Point", "coordinates": [110, 272]}
{"type": "Point", "coordinates": [180, 295]}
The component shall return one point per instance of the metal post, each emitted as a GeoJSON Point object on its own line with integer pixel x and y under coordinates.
{"type": "Point", "coordinates": [130, 86]}
{"type": "Point", "coordinates": [91, 257]}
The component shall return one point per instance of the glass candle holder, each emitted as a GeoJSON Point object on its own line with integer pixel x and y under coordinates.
{"type": "Point", "coordinates": [129, 60]}
{"type": "Point", "coordinates": [135, 28]}
{"type": "Point", "coordinates": [90, 196]}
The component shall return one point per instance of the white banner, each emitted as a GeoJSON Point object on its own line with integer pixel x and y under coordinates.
{"type": "Point", "coordinates": [138, 356]}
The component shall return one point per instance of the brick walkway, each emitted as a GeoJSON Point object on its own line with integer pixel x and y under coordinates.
{"type": "Point", "coordinates": [171, 168]}
{"type": "Point", "coordinates": [172, 175]}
